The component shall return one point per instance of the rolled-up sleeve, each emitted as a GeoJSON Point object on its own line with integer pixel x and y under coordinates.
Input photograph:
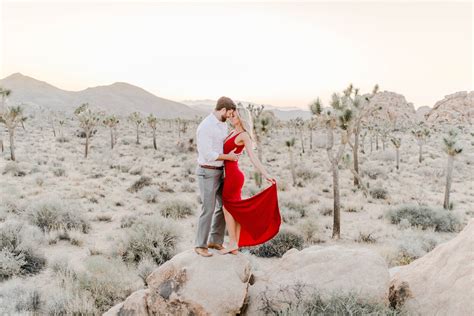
{"type": "Point", "coordinates": [204, 145]}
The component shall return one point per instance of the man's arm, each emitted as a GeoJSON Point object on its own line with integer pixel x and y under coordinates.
{"type": "Point", "coordinates": [204, 146]}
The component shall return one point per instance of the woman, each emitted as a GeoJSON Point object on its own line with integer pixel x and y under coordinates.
{"type": "Point", "coordinates": [257, 219]}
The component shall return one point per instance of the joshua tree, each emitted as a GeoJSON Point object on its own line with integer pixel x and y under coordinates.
{"type": "Point", "coordinates": [363, 135]}
{"type": "Point", "coordinates": [62, 122]}
{"type": "Point", "coordinates": [4, 93]}
{"type": "Point", "coordinates": [111, 122]}
{"type": "Point", "coordinates": [11, 117]}
{"type": "Point", "coordinates": [299, 124]}
{"type": "Point", "coordinates": [152, 121]}
{"type": "Point", "coordinates": [452, 148]}
{"type": "Point", "coordinates": [312, 124]}
{"type": "Point", "coordinates": [361, 109]}
{"type": "Point", "coordinates": [137, 119]}
{"type": "Point", "coordinates": [88, 120]}
{"type": "Point", "coordinates": [397, 142]}
{"type": "Point", "coordinates": [340, 117]}
{"type": "Point", "coordinates": [290, 144]}
{"type": "Point", "coordinates": [421, 134]}
{"type": "Point", "coordinates": [262, 123]}
{"type": "Point", "coordinates": [383, 131]}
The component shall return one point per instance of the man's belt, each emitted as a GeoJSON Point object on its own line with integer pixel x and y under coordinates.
{"type": "Point", "coordinates": [212, 167]}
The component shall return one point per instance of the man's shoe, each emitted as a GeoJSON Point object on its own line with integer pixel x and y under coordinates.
{"type": "Point", "coordinates": [215, 246]}
{"type": "Point", "coordinates": [202, 252]}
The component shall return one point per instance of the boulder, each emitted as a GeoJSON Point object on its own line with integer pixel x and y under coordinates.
{"type": "Point", "coordinates": [456, 108]}
{"type": "Point", "coordinates": [191, 284]}
{"type": "Point", "coordinates": [135, 304]}
{"type": "Point", "coordinates": [327, 270]}
{"type": "Point", "coordinates": [441, 282]}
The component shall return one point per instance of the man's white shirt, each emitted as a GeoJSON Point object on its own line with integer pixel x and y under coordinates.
{"type": "Point", "coordinates": [210, 136]}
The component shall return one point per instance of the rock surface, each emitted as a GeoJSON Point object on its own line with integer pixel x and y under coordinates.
{"type": "Point", "coordinates": [190, 284]}
{"type": "Point", "coordinates": [441, 282]}
{"type": "Point", "coordinates": [456, 108]}
{"type": "Point", "coordinates": [394, 108]}
{"type": "Point", "coordinates": [325, 269]}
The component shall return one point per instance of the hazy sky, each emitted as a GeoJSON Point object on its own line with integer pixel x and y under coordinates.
{"type": "Point", "coordinates": [285, 54]}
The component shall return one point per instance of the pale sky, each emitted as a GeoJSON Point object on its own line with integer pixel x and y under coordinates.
{"type": "Point", "coordinates": [284, 54]}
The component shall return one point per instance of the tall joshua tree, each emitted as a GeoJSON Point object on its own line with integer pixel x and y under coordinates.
{"type": "Point", "coordinates": [88, 120]}
{"type": "Point", "coordinates": [4, 93]}
{"type": "Point", "coordinates": [152, 122]}
{"type": "Point", "coordinates": [137, 119]}
{"type": "Point", "coordinates": [421, 134]}
{"type": "Point", "coordinates": [111, 122]}
{"type": "Point", "coordinates": [339, 118]}
{"type": "Point", "coordinates": [336, 118]}
{"type": "Point", "coordinates": [11, 117]}
{"type": "Point", "coordinates": [290, 144]}
{"type": "Point", "coordinates": [452, 148]}
{"type": "Point", "coordinates": [361, 109]}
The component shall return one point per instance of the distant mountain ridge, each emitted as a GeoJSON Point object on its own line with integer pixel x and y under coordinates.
{"type": "Point", "coordinates": [281, 113]}
{"type": "Point", "coordinates": [123, 98]}
{"type": "Point", "coordinates": [119, 98]}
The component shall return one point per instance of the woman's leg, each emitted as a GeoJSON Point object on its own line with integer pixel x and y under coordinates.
{"type": "Point", "coordinates": [231, 228]}
{"type": "Point", "coordinates": [237, 231]}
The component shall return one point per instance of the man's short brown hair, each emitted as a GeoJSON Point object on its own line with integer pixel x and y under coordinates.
{"type": "Point", "coordinates": [225, 102]}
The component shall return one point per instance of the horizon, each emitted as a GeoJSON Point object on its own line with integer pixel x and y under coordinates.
{"type": "Point", "coordinates": [283, 108]}
{"type": "Point", "coordinates": [265, 61]}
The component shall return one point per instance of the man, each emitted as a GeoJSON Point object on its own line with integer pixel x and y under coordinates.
{"type": "Point", "coordinates": [210, 137]}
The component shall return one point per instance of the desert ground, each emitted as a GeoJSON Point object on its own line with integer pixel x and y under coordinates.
{"type": "Point", "coordinates": [83, 230]}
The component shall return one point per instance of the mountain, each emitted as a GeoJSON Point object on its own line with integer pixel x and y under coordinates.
{"type": "Point", "coordinates": [120, 98]}
{"type": "Point", "coordinates": [281, 113]}
{"type": "Point", "coordinates": [456, 108]}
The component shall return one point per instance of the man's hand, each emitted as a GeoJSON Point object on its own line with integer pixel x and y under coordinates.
{"type": "Point", "coordinates": [232, 156]}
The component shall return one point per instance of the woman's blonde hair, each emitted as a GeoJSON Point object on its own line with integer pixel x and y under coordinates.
{"type": "Point", "coordinates": [246, 120]}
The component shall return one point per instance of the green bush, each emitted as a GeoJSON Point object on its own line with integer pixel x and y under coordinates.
{"type": "Point", "coordinates": [19, 254]}
{"type": "Point", "coordinates": [177, 209]}
{"type": "Point", "coordinates": [109, 281]}
{"type": "Point", "coordinates": [379, 193]}
{"type": "Point", "coordinates": [281, 243]}
{"type": "Point", "coordinates": [153, 237]}
{"type": "Point", "coordinates": [53, 214]}
{"type": "Point", "coordinates": [293, 302]}
{"type": "Point", "coordinates": [19, 298]}
{"type": "Point", "coordinates": [425, 217]}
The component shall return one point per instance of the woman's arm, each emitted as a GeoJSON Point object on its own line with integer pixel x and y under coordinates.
{"type": "Point", "coordinates": [253, 158]}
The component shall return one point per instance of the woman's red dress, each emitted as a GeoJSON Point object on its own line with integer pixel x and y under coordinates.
{"type": "Point", "coordinates": [259, 215]}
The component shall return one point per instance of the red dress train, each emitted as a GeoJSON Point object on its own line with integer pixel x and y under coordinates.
{"type": "Point", "coordinates": [259, 215]}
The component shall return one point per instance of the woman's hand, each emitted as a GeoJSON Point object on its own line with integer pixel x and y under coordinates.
{"type": "Point", "coordinates": [269, 178]}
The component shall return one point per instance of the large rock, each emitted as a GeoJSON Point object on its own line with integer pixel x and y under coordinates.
{"type": "Point", "coordinates": [327, 270]}
{"type": "Point", "coordinates": [441, 282]}
{"type": "Point", "coordinates": [394, 108]}
{"type": "Point", "coordinates": [190, 284]}
{"type": "Point", "coordinates": [456, 108]}
{"type": "Point", "coordinates": [135, 304]}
